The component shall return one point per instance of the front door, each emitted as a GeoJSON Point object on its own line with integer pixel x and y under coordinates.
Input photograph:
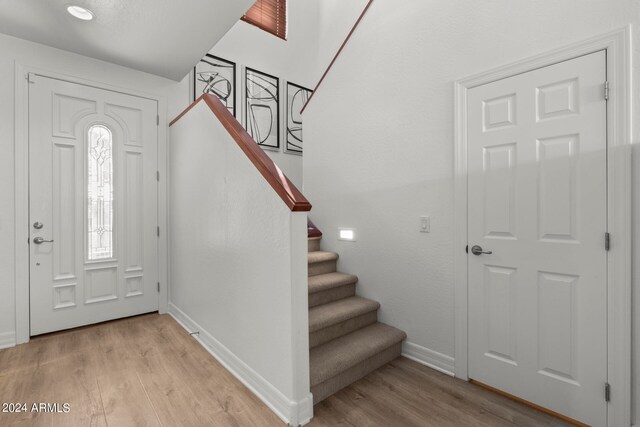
{"type": "Point", "coordinates": [92, 205]}
{"type": "Point", "coordinates": [537, 197]}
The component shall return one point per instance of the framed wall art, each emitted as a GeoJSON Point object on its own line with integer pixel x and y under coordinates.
{"type": "Point", "coordinates": [216, 76]}
{"type": "Point", "coordinates": [262, 108]}
{"type": "Point", "coordinates": [297, 97]}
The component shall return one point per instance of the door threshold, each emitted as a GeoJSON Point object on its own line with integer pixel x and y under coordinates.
{"type": "Point", "coordinates": [90, 325]}
{"type": "Point", "coordinates": [529, 404]}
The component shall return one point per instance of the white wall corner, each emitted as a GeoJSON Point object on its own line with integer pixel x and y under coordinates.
{"type": "Point", "coordinates": [303, 411]}
{"type": "Point", "coordinates": [21, 203]}
{"type": "Point", "coordinates": [294, 413]}
{"type": "Point", "coordinates": [300, 318]}
{"type": "Point", "coordinates": [163, 203]}
{"type": "Point", "coordinates": [7, 339]}
{"type": "Point", "coordinates": [438, 361]}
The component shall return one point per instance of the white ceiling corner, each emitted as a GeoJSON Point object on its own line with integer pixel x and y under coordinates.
{"type": "Point", "coordinates": [161, 37]}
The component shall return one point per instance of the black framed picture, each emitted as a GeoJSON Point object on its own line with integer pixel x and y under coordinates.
{"type": "Point", "coordinates": [262, 108]}
{"type": "Point", "coordinates": [216, 76]}
{"type": "Point", "coordinates": [297, 97]}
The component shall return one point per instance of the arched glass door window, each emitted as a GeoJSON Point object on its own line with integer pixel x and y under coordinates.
{"type": "Point", "coordinates": [100, 193]}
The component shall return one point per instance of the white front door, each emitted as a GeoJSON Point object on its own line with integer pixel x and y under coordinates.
{"type": "Point", "coordinates": [92, 205]}
{"type": "Point", "coordinates": [537, 194]}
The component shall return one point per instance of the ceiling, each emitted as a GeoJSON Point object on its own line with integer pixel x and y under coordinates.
{"type": "Point", "coordinates": [162, 37]}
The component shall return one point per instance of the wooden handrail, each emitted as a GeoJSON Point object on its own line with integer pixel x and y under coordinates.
{"type": "Point", "coordinates": [288, 192]}
{"type": "Point", "coordinates": [344, 43]}
{"type": "Point", "coordinates": [312, 230]}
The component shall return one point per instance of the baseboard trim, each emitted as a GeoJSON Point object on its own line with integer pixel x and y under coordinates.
{"type": "Point", "coordinates": [7, 339]}
{"type": "Point", "coordinates": [438, 361]}
{"type": "Point", "coordinates": [291, 412]}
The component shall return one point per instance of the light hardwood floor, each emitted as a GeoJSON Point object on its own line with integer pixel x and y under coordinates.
{"type": "Point", "coordinates": [147, 370]}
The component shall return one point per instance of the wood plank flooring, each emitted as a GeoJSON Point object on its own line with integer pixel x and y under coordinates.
{"type": "Point", "coordinates": [147, 371]}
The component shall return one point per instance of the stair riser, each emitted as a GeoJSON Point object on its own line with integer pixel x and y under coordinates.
{"type": "Point", "coordinates": [343, 328]}
{"type": "Point", "coordinates": [314, 245]}
{"type": "Point", "coordinates": [333, 385]}
{"type": "Point", "coordinates": [324, 267]}
{"type": "Point", "coordinates": [331, 295]}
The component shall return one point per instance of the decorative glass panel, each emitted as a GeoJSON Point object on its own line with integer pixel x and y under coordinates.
{"type": "Point", "coordinates": [100, 194]}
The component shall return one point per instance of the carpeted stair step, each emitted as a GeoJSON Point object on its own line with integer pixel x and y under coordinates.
{"type": "Point", "coordinates": [328, 287]}
{"type": "Point", "coordinates": [314, 244]}
{"type": "Point", "coordinates": [342, 361]}
{"type": "Point", "coordinates": [321, 262]}
{"type": "Point", "coordinates": [339, 318]}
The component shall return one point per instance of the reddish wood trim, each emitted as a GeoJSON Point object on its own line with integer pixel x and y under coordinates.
{"type": "Point", "coordinates": [527, 403]}
{"type": "Point", "coordinates": [185, 111]}
{"type": "Point", "coordinates": [312, 230]}
{"type": "Point", "coordinates": [288, 192]}
{"type": "Point", "coordinates": [344, 43]}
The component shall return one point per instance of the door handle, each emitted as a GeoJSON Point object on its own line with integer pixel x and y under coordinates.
{"type": "Point", "coordinates": [41, 240]}
{"type": "Point", "coordinates": [477, 250]}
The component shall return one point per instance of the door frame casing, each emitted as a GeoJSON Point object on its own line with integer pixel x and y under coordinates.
{"type": "Point", "coordinates": [21, 188]}
{"type": "Point", "coordinates": [619, 130]}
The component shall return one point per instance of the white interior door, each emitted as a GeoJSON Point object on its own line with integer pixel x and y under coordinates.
{"type": "Point", "coordinates": [93, 200]}
{"type": "Point", "coordinates": [537, 200]}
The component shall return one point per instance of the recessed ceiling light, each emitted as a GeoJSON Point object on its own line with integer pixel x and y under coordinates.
{"type": "Point", "coordinates": [80, 13]}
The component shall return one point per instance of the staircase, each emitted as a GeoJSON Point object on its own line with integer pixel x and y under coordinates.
{"type": "Point", "coordinates": [346, 340]}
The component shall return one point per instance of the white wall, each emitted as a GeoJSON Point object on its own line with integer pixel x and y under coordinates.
{"type": "Point", "coordinates": [335, 20]}
{"type": "Point", "coordinates": [238, 264]}
{"type": "Point", "coordinates": [19, 52]}
{"type": "Point", "coordinates": [379, 139]}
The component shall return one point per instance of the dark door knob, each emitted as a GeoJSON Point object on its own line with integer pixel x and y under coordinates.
{"type": "Point", "coordinates": [477, 250]}
{"type": "Point", "coordinates": [41, 240]}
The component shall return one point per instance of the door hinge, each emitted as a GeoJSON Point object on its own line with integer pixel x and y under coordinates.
{"type": "Point", "coordinates": [158, 229]}
{"type": "Point", "coordinates": [607, 392]}
{"type": "Point", "coordinates": [606, 90]}
{"type": "Point", "coordinates": [607, 241]}
{"type": "Point", "coordinates": [28, 77]}
{"type": "Point", "coordinates": [158, 120]}
{"type": "Point", "coordinates": [158, 286]}
{"type": "Point", "coordinates": [158, 176]}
